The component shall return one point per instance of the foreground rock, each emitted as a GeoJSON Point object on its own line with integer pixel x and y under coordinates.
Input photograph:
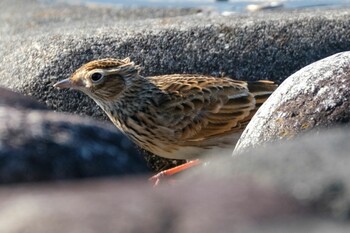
{"type": "Point", "coordinates": [132, 206]}
{"type": "Point", "coordinates": [43, 145]}
{"type": "Point", "coordinates": [316, 96]}
{"type": "Point", "coordinates": [302, 188]}
{"type": "Point", "coordinates": [313, 168]}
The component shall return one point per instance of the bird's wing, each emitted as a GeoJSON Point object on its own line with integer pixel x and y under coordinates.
{"type": "Point", "coordinates": [199, 108]}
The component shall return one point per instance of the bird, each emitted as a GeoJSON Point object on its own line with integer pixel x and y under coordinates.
{"type": "Point", "coordinates": [175, 116]}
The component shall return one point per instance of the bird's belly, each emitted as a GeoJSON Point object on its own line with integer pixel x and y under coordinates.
{"type": "Point", "coordinates": [164, 147]}
{"type": "Point", "coordinates": [189, 152]}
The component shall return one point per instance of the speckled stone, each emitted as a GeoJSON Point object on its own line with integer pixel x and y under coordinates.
{"type": "Point", "coordinates": [258, 46]}
{"type": "Point", "coordinates": [315, 96]}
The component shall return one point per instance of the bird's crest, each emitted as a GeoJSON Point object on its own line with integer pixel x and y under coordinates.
{"type": "Point", "coordinates": [123, 66]}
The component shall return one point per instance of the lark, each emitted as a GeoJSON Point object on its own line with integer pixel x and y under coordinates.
{"type": "Point", "coordinates": [176, 116]}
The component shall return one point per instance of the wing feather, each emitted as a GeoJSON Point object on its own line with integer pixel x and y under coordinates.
{"type": "Point", "coordinates": [202, 107]}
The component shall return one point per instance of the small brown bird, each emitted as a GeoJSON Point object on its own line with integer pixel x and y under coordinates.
{"type": "Point", "coordinates": [178, 116]}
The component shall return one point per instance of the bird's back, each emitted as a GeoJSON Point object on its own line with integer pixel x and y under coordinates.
{"type": "Point", "coordinates": [199, 112]}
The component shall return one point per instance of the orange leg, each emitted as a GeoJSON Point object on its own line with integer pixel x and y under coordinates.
{"type": "Point", "coordinates": [169, 172]}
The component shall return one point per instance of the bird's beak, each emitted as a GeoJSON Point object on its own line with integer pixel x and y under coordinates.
{"type": "Point", "coordinates": [66, 83]}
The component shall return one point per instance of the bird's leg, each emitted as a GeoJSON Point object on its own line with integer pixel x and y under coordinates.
{"type": "Point", "coordinates": [169, 172]}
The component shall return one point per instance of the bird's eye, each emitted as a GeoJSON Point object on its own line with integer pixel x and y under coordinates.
{"type": "Point", "coordinates": [95, 77]}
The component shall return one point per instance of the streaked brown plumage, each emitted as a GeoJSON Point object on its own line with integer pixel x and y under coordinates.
{"type": "Point", "coordinates": [178, 116]}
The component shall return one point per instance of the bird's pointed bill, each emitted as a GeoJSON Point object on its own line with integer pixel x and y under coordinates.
{"type": "Point", "coordinates": [68, 83]}
{"type": "Point", "coordinates": [65, 83]}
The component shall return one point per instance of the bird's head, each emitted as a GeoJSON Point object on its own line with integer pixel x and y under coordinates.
{"type": "Point", "coordinates": [103, 80]}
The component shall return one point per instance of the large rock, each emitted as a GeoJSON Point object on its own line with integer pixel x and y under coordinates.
{"type": "Point", "coordinates": [43, 145]}
{"type": "Point", "coordinates": [132, 206]}
{"type": "Point", "coordinates": [313, 169]}
{"type": "Point", "coordinates": [60, 38]}
{"type": "Point", "coordinates": [315, 96]}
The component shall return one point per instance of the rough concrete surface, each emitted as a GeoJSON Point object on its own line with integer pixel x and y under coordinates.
{"type": "Point", "coordinates": [316, 96]}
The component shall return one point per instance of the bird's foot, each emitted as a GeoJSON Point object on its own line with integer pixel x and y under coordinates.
{"type": "Point", "coordinates": [169, 172]}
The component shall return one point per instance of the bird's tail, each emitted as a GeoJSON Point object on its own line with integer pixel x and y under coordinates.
{"type": "Point", "coordinates": [261, 90]}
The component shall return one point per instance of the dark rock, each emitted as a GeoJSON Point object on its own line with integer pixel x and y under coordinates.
{"type": "Point", "coordinates": [19, 101]}
{"type": "Point", "coordinates": [42, 145]}
{"type": "Point", "coordinates": [315, 96]}
{"type": "Point", "coordinates": [313, 168]}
